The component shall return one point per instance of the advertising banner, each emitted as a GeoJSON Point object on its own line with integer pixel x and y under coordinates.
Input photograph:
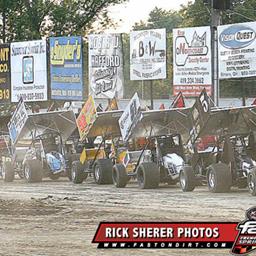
{"type": "Point", "coordinates": [236, 50]}
{"type": "Point", "coordinates": [130, 117]}
{"type": "Point", "coordinates": [5, 80]}
{"type": "Point", "coordinates": [148, 54]}
{"type": "Point", "coordinates": [28, 71]}
{"type": "Point", "coordinates": [106, 66]}
{"type": "Point", "coordinates": [86, 117]}
{"type": "Point", "coordinates": [17, 121]}
{"type": "Point", "coordinates": [166, 235]}
{"type": "Point", "coordinates": [192, 68]}
{"type": "Point", "coordinates": [235, 238]}
{"type": "Point", "coordinates": [66, 66]}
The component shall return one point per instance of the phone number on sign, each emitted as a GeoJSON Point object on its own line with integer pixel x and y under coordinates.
{"type": "Point", "coordinates": [4, 94]}
{"type": "Point", "coordinates": [191, 80]}
{"type": "Point", "coordinates": [30, 96]}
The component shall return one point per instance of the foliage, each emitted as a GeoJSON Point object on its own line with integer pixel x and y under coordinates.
{"type": "Point", "coordinates": [27, 20]}
{"type": "Point", "coordinates": [160, 18]}
{"type": "Point", "coordinates": [195, 14]}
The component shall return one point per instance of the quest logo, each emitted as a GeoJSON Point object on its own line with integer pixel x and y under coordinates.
{"type": "Point", "coordinates": [237, 36]}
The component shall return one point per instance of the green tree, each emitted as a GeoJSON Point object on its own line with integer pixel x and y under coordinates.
{"type": "Point", "coordinates": [160, 18]}
{"type": "Point", "coordinates": [198, 14]}
{"type": "Point", "coordinates": [26, 19]}
{"type": "Point", "coordinates": [195, 14]}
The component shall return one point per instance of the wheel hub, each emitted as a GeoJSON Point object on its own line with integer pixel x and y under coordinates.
{"type": "Point", "coordinates": [211, 179]}
{"type": "Point", "coordinates": [182, 180]}
{"type": "Point", "coordinates": [3, 172]}
{"type": "Point", "coordinates": [251, 183]}
{"type": "Point", "coordinates": [114, 177]}
{"type": "Point", "coordinates": [27, 172]}
{"type": "Point", "coordinates": [73, 174]}
{"type": "Point", "coordinates": [97, 173]}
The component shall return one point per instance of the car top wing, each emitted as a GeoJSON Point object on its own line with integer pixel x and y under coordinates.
{"type": "Point", "coordinates": [234, 121]}
{"type": "Point", "coordinates": [63, 122]}
{"type": "Point", "coordinates": [91, 123]}
{"type": "Point", "coordinates": [209, 120]}
{"type": "Point", "coordinates": [105, 124]}
{"type": "Point", "coordinates": [163, 122]}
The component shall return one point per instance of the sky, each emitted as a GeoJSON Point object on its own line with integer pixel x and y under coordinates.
{"type": "Point", "coordinates": [135, 10]}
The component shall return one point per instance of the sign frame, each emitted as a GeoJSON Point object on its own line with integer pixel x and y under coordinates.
{"type": "Point", "coordinates": [29, 71]}
{"type": "Point", "coordinates": [192, 61]}
{"type": "Point", "coordinates": [148, 54]}
{"type": "Point", "coordinates": [106, 71]}
{"type": "Point", "coordinates": [66, 68]}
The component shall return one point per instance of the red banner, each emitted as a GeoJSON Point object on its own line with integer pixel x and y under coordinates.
{"type": "Point", "coordinates": [191, 90]}
{"type": "Point", "coordinates": [166, 235]}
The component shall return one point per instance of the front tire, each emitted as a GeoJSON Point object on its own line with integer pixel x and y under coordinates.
{"type": "Point", "coordinates": [8, 172]}
{"type": "Point", "coordinates": [103, 171]}
{"type": "Point", "coordinates": [187, 179]}
{"type": "Point", "coordinates": [148, 175]}
{"type": "Point", "coordinates": [219, 178]}
{"type": "Point", "coordinates": [119, 175]}
{"type": "Point", "coordinates": [77, 173]}
{"type": "Point", "coordinates": [251, 180]}
{"type": "Point", "coordinates": [33, 171]}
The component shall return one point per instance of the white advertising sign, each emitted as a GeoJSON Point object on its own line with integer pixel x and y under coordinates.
{"type": "Point", "coordinates": [192, 68]}
{"type": "Point", "coordinates": [148, 54]}
{"type": "Point", "coordinates": [130, 117]}
{"type": "Point", "coordinates": [106, 66]}
{"type": "Point", "coordinates": [28, 71]}
{"type": "Point", "coordinates": [17, 121]}
{"type": "Point", "coordinates": [237, 50]}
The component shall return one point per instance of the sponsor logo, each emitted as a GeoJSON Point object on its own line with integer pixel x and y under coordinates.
{"type": "Point", "coordinates": [246, 240]}
{"type": "Point", "coordinates": [237, 36]}
{"type": "Point", "coordinates": [65, 52]}
{"type": "Point", "coordinates": [184, 49]}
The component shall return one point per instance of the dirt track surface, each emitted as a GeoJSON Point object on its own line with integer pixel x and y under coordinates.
{"type": "Point", "coordinates": [59, 218]}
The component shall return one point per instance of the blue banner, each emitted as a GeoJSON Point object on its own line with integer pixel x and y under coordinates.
{"type": "Point", "coordinates": [66, 68]}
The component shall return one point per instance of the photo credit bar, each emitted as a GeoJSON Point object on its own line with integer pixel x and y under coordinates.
{"type": "Point", "coordinates": [166, 235]}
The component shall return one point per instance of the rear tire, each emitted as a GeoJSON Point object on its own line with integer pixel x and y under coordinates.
{"type": "Point", "coordinates": [77, 173]}
{"type": "Point", "coordinates": [33, 171]}
{"type": "Point", "coordinates": [148, 175]}
{"type": "Point", "coordinates": [71, 158]}
{"type": "Point", "coordinates": [102, 171]}
{"type": "Point", "coordinates": [8, 172]}
{"type": "Point", "coordinates": [119, 175]}
{"type": "Point", "coordinates": [187, 179]}
{"type": "Point", "coordinates": [219, 178]}
{"type": "Point", "coordinates": [251, 180]}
